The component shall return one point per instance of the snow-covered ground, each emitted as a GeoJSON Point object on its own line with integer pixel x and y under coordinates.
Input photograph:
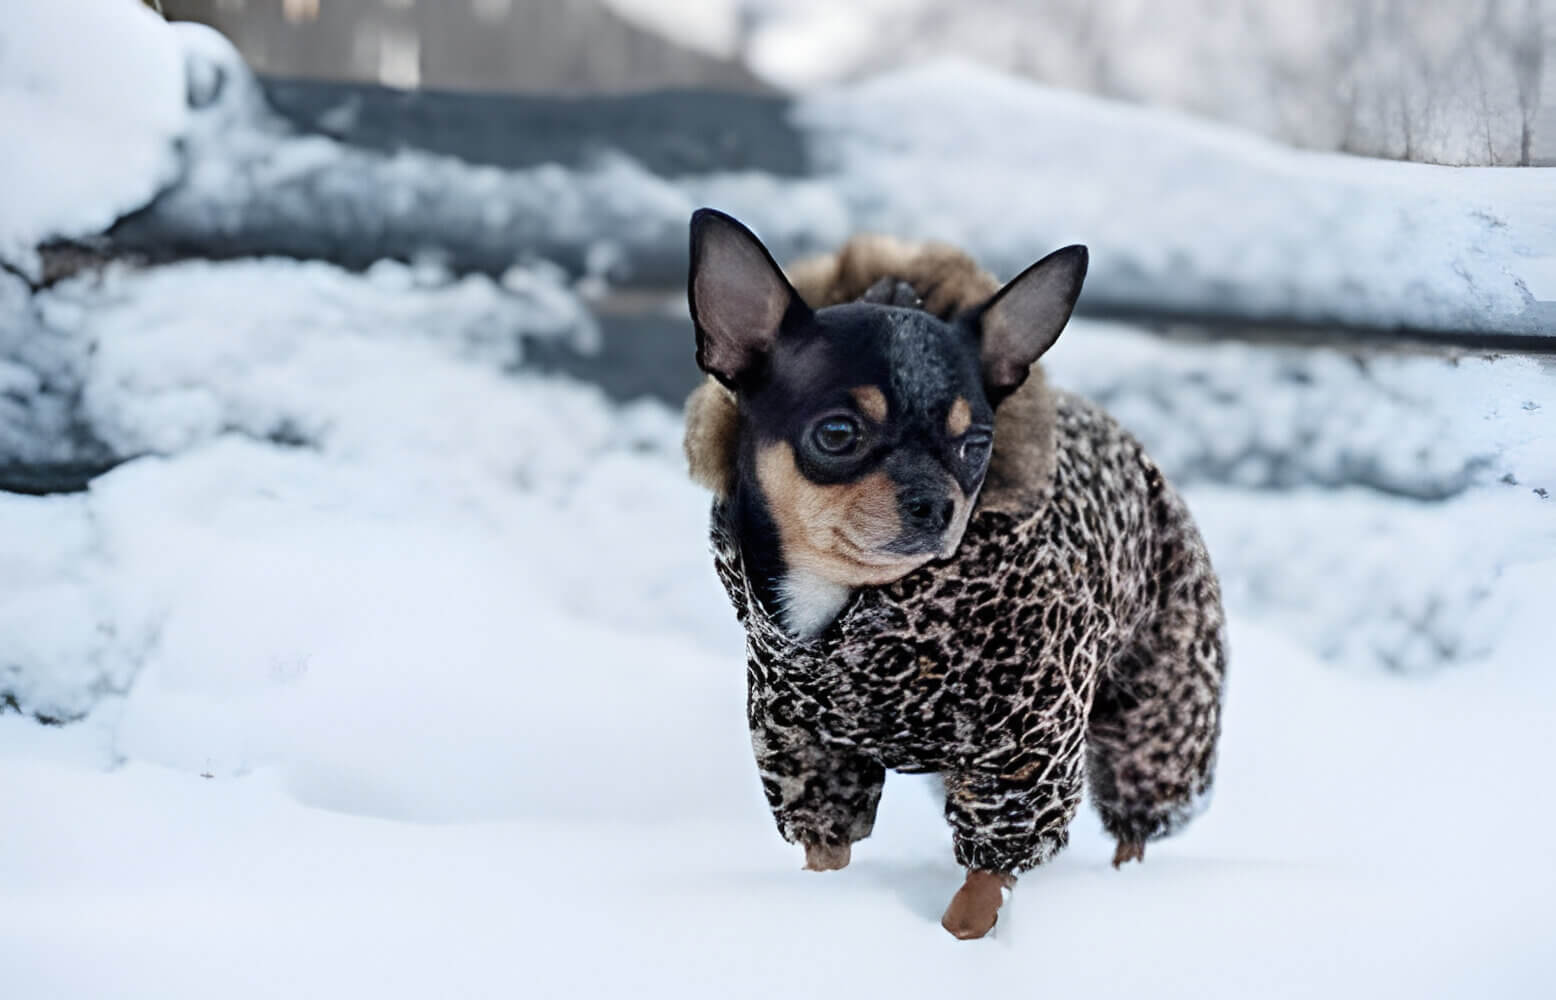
{"type": "Point", "coordinates": [397, 669]}
{"type": "Point", "coordinates": [445, 640]}
{"type": "Point", "coordinates": [534, 837]}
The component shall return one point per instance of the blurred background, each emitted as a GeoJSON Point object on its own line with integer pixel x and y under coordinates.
{"type": "Point", "coordinates": [342, 350]}
{"type": "Point", "coordinates": [1438, 81]}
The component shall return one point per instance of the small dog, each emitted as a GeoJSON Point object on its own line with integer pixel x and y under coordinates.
{"type": "Point", "coordinates": [941, 564]}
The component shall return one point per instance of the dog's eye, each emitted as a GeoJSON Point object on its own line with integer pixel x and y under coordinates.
{"type": "Point", "coordinates": [975, 447]}
{"type": "Point", "coordinates": [836, 435]}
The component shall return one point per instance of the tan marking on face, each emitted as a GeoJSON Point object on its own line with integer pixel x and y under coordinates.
{"type": "Point", "coordinates": [871, 402]}
{"type": "Point", "coordinates": [959, 419]}
{"type": "Point", "coordinates": [836, 532]}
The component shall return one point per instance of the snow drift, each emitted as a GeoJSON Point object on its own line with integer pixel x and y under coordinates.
{"type": "Point", "coordinates": [84, 148]}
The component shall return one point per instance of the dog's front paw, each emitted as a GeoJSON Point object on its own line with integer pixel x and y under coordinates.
{"type": "Point", "coordinates": [826, 857]}
{"type": "Point", "coordinates": [976, 905]}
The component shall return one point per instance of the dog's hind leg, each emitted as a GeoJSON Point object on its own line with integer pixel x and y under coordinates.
{"type": "Point", "coordinates": [1152, 733]}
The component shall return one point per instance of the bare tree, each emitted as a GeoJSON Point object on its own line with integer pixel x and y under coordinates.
{"type": "Point", "coordinates": [1450, 81]}
{"type": "Point", "coordinates": [1528, 54]}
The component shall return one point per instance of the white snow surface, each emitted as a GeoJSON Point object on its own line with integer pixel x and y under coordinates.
{"type": "Point", "coordinates": [91, 101]}
{"type": "Point", "coordinates": [582, 826]}
{"type": "Point", "coordinates": [407, 674]}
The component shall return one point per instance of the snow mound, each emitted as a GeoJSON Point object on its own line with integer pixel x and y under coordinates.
{"type": "Point", "coordinates": [318, 408]}
{"type": "Point", "coordinates": [63, 651]}
{"type": "Point", "coordinates": [129, 362]}
{"type": "Point", "coordinates": [1394, 494]}
{"type": "Point", "coordinates": [1365, 581]}
{"type": "Point", "coordinates": [1184, 214]}
{"type": "Point", "coordinates": [40, 379]}
{"type": "Point", "coordinates": [1269, 416]}
{"type": "Point", "coordinates": [279, 585]}
{"type": "Point", "coordinates": [255, 186]}
{"type": "Point", "coordinates": [86, 146]}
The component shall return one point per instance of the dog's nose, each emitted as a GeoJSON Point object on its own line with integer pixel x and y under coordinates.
{"type": "Point", "coordinates": [928, 512]}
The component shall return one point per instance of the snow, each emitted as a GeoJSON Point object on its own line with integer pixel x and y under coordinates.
{"type": "Point", "coordinates": [277, 601]}
{"type": "Point", "coordinates": [1372, 504]}
{"type": "Point", "coordinates": [436, 691]}
{"type": "Point", "coordinates": [97, 144]}
{"type": "Point", "coordinates": [1185, 214]}
{"type": "Point", "coordinates": [1401, 421]}
{"type": "Point", "coordinates": [125, 363]}
{"type": "Point", "coordinates": [395, 668]}
{"type": "Point", "coordinates": [304, 358]}
{"type": "Point", "coordinates": [38, 372]}
{"type": "Point", "coordinates": [1368, 836]}
{"type": "Point", "coordinates": [254, 184]}
{"type": "Point", "coordinates": [288, 388]}
{"type": "Point", "coordinates": [1180, 215]}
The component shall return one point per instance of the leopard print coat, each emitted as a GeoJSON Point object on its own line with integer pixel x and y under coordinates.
{"type": "Point", "coordinates": [1075, 635]}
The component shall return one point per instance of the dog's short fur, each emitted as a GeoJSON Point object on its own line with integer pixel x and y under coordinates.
{"type": "Point", "coordinates": [1013, 623]}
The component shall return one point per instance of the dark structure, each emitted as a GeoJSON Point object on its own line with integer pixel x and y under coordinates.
{"type": "Point", "coordinates": [528, 46]}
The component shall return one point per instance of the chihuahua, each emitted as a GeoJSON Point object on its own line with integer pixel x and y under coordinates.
{"type": "Point", "coordinates": [943, 565]}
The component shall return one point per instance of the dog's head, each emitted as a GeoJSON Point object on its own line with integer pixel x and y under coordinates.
{"type": "Point", "coordinates": [865, 429]}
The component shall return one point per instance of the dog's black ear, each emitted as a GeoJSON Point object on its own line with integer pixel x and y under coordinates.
{"type": "Point", "coordinates": [739, 298]}
{"type": "Point", "coordinates": [1024, 318]}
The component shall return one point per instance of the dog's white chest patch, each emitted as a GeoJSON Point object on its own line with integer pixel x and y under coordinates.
{"type": "Point", "coordinates": [810, 603]}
